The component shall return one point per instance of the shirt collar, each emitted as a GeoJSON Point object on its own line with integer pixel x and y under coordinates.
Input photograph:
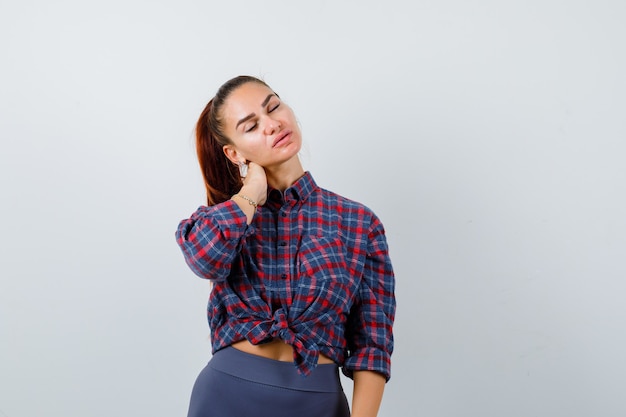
{"type": "Point", "coordinates": [300, 190]}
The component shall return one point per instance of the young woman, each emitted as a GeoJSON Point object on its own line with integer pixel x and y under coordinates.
{"type": "Point", "coordinates": [302, 281]}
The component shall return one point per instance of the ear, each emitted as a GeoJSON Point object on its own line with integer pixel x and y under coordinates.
{"type": "Point", "coordinates": [233, 154]}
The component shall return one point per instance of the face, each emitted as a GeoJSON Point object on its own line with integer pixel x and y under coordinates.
{"type": "Point", "coordinates": [261, 127]}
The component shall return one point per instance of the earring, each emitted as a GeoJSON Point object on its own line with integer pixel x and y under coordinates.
{"type": "Point", "coordinates": [243, 169]}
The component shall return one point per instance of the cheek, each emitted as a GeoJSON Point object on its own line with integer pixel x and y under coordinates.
{"type": "Point", "coordinates": [252, 145]}
{"type": "Point", "coordinates": [292, 116]}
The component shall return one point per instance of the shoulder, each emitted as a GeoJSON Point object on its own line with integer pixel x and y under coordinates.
{"type": "Point", "coordinates": [346, 202]}
{"type": "Point", "coordinates": [349, 210]}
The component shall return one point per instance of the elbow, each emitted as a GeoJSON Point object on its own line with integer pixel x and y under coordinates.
{"type": "Point", "coordinates": [206, 268]}
{"type": "Point", "coordinates": [200, 269]}
{"type": "Point", "coordinates": [198, 258]}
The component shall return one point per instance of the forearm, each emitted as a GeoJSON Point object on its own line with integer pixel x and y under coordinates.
{"type": "Point", "coordinates": [247, 201]}
{"type": "Point", "coordinates": [253, 192]}
{"type": "Point", "coordinates": [367, 394]}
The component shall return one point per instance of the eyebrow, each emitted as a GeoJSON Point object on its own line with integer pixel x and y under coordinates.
{"type": "Point", "coordinates": [267, 99]}
{"type": "Point", "coordinates": [251, 115]}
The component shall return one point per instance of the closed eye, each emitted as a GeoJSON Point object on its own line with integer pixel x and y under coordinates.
{"type": "Point", "coordinates": [274, 107]}
{"type": "Point", "coordinates": [251, 128]}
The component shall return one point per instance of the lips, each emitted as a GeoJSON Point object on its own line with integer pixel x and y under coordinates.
{"type": "Point", "coordinates": [282, 138]}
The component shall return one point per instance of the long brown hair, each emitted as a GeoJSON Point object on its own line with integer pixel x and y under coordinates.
{"type": "Point", "coordinates": [221, 176]}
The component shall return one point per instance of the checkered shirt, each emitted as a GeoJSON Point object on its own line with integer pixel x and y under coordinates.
{"type": "Point", "coordinates": [312, 269]}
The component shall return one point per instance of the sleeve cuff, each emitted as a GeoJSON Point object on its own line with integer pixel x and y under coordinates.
{"type": "Point", "coordinates": [368, 359]}
{"type": "Point", "coordinates": [231, 221]}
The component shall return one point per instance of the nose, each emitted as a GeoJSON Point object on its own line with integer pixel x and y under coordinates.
{"type": "Point", "coordinates": [271, 126]}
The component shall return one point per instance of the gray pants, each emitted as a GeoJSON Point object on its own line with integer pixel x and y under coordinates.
{"type": "Point", "coordinates": [239, 384]}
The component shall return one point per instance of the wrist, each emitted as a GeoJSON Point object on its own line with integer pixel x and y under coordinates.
{"type": "Point", "coordinates": [252, 193]}
{"type": "Point", "coordinates": [248, 199]}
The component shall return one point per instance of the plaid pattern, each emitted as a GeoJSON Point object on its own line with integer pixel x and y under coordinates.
{"type": "Point", "coordinates": [312, 269]}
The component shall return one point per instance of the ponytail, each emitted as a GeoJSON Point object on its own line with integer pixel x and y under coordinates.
{"type": "Point", "coordinates": [221, 176]}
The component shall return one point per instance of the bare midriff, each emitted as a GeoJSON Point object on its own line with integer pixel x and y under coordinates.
{"type": "Point", "coordinates": [276, 349]}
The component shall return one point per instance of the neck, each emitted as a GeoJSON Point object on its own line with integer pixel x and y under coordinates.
{"type": "Point", "coordinates": [283, 176]}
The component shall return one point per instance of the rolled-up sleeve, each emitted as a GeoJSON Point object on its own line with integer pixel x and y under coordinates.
{"type": "Point", "coordinates": [370, 325]}
{"type": "Point", "coordinates": [211, 238]}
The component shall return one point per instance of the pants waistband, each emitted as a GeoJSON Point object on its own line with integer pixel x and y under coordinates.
{"type": "Point", "coordinates": [254, 368]}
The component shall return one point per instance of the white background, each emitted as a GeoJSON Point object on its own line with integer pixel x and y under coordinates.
{"type": "Point", "coordinates": [489, 136]}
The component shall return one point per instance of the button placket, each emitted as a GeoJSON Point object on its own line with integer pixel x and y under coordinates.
{"type": "Point", "coordinates": [283, 251]}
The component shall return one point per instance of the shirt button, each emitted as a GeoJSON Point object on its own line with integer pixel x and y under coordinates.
{"type": "Point", "coordinates": [283, 243]}
{"type": "Point", "coordinates": [283, 276]}
{"type": "Point", "coordinates": [283, 214]}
